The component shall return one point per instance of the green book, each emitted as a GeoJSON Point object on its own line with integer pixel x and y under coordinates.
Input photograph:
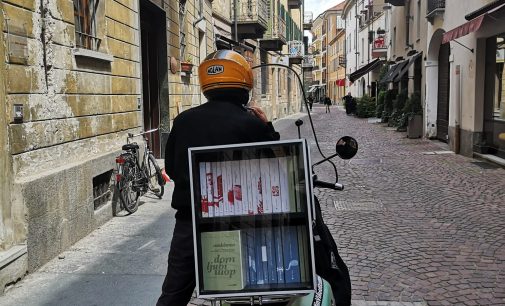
{"type": "Point", "coordinates": [223, 263]}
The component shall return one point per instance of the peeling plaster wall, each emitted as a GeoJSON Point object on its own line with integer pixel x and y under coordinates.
{"type": "Point", "coordinates": [76, 114]}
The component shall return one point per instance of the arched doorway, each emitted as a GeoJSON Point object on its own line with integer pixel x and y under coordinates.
{"type": "Point", "coordinates": [432, 84]}
{"type": "Point", "coordinates": [443, 92]}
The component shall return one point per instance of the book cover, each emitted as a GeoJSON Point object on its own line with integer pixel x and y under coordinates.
{"type": "Point", "coordinates": [243, 184]}
{"type": "Point", "coordinates": [302, 251]}
{"type": "Point", "coordinates": [272, 265]}
{"type": "Point", "coordinates": [275, 185]}
{"type": "Point", "coordinates": [291, 256]}
{"type": "Point", "coordinates": [215, 202]}
{"type": "Point", "coordinates": [292, 184]}
{"type": "Point", "coordinates": [279, 258]}
{"type": "Point", "coordinates": [237, 188]}
{"type": "Point", "coordinates": [210, 188]}
{"type": "Point", "coordinates": [204, 202]}
{"type": "Point", "coordinates": [251, 254]}
{"type": "Point", "coordinates": [285, 181]}
{"type": "Point", "coordinates": [222, 260]}
{"type": "Point", "coordinates": [266, 186]}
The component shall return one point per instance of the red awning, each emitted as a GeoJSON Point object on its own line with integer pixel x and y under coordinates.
{"type": "Point", "coordinates": [340, 82]}
{"type": "Point", "coordinates": [464, 29]}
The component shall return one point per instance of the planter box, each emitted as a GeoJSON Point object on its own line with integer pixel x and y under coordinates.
{"type": "Point", "coordinates": [415, 127]}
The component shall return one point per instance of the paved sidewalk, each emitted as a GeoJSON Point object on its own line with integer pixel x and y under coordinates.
{"type": "Point", "coordinates": [415, 222]}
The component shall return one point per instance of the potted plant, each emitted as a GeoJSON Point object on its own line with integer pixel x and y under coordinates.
{"type": "Point", "coordinates": [187, 64]}
{"type": "Point", "coordinates": [414, 110]}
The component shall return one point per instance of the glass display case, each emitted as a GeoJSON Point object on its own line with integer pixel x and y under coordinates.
{"type": "Point", "coordinates": [252, 219]}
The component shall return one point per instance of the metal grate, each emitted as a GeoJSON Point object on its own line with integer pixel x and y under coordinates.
{"type": "Point", "coordinates": [101, 189]}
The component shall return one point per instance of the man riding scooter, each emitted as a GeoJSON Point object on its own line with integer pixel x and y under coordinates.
{"type": "Point", "coordinates": [226, 80]}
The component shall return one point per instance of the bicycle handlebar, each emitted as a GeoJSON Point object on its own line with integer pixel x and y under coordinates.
{"type": "Point", "coordinates": [143, 133]}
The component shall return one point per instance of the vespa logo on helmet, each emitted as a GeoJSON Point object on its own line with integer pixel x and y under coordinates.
{"type": "Point", "coordinates": [216, 69]}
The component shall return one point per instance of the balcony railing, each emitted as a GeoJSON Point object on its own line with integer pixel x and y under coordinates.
{"type": "Point", "coordinates": [308, 61]}
{"type": "Point", "coordinates": [307, 20]}
{"type": "Point", "coordinates": [435, 7]}
{"type": "Point", "coordinates": [277, 29]}
{"type": "Point", "coordinates": [296, 48]}
{"type": "Point", "coordinates": [252, 15]}
{"type": "Point", "coordinates": [342, 60]}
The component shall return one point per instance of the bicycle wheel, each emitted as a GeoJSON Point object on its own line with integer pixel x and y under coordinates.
{"type": "Point", "coordinates": [154, 178]}
{"type": "Point", "coordinates": [128, 196]}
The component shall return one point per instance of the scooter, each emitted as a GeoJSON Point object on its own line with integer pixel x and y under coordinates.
{"type": "Point", "coordinates": [345, 148]}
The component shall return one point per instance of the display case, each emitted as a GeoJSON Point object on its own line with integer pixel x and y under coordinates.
{"type": "Point", "coordinates": [252, 219]}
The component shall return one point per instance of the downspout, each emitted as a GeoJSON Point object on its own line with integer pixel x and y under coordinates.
{"type": "Point", "coordinates": [235, 18]}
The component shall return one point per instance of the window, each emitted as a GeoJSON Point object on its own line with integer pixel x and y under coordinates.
{"type": "Point", "coordinates": [85, 15]}
{"type": "Point", "coordinates": [362, 49]}
{"type": "Point", "coordinates": [264, 72]}
{"type": "Point", "coordinates": [418, 19]}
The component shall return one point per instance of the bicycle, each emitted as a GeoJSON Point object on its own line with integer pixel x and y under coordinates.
{"type": "Point", "coordinates": [134, 179]}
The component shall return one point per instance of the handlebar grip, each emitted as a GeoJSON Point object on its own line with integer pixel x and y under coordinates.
{"type": "Point", "coordinates": [334, 186]}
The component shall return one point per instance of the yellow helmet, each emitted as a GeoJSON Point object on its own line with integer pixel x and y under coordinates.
{"type": "Point", "coordinates": [225, 69]}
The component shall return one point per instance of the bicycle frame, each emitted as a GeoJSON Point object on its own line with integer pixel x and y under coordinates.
{"type": "Point", "coordinates": [147, 150]}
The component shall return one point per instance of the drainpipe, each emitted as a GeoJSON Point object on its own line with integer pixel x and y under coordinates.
{"type": "Point", "coordinates": [235, 18]}
{"type": "Point", "coordinates": [457, 128]}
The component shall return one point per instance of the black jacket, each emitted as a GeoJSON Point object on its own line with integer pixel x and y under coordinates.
{"type": "Point", "coordinates": [213, 123]}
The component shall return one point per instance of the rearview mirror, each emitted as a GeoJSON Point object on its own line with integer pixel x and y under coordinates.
{"type": "Point", "coordinates": [346, 147]}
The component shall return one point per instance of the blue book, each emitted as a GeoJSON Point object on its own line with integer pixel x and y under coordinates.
{"type": "Point", "coordinates": [272, 265]}
{"type": "Point", "coordinates": [291, 256]}
{"type": "Point", "coordinates": [251, 257]}
{"type": "Point", "coordinates": [279, 259]}
{"type": "Point", "coordinates": [261, 265]}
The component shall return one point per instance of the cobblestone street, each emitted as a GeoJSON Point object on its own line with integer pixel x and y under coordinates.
{"type": "Point", "coordinates": [415, 222]}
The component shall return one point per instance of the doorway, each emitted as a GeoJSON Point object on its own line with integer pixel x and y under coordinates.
{"type": "Point", "coordinates": [443, 92]}
{"type": "Point", "coordinates": [154, 68]}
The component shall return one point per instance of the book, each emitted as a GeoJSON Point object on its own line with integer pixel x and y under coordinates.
{"type": "Point", "coordinates": [260, 273]}
{"type": "Point", "coordinates": [275, 185]}
{"type": "Point", "coordinates": [270, 255]}
{"type": "Point", "coordinates": [257, 187]}
{"type": "Point", "coordinates": [204, 201]}
{"type": "Point", "coordinates": [262, 256]}
{"type": "Point", "coordinates": [266, 186]}
{"type": "Point", "coordinates": [219, 184]}
{"type": "Point", "coordinates": [244, 189]}
{"type": "Point", "coordinates": [279, 258]}
{"type": "Point", "coordinates": [302, 251]}
{"type": "Point", "coordinates": [237, 188]}
{"type": "Point", "coordinates": [251, 257]}
{"type": "Point", "coordinates": [210, 188]}
{"type": "Point", "coordinates": [223, 263]}
{"type": "Point", "coordinates": [228, 189]}
{"type": "Point", "coordinates": [215, 199]}
{"type": "Point", "coordinates": [291, 256]}
{"type": "Point", "coordinates": [250, 189]}
{"type": "Point", "coordinates": [284, 182]}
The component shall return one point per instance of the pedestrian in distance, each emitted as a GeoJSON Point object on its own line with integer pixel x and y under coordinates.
{"type": "Point", "coordinates": [349, 103]}
{"type": "Point", "coordinates": [226, 80]}
{"type": "Point", "coordinates": [310, 100]}
{"type": "Point", "coordinates": [327, 103]}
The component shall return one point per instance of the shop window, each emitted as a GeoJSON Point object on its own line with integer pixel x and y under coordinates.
{"type": "Point", "coordinates": [86, 24]}
{"type": "Point", "coordinates": [499, 96]}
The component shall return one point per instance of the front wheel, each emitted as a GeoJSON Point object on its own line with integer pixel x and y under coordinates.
{"type": "Point", "coordinates": [128, 196]}
{"type": "Point", "coordinates": [154, 177]}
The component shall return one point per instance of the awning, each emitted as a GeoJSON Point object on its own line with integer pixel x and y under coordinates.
{"type": "Point", "coordinates": [365, 69]}
{"type": "Point", "coordinates": [312, 88]}
{"type": "Point", "coordinates": [464, 29]}
{"type": "Point", "coordinates": [340, 82]}
{"type": "Point", "coordinates": [394, 71]}
{"type": "Point", "coordinates": [405, 69]}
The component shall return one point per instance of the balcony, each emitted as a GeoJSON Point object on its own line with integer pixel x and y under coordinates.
{"type": "Point", "coordinates": [435, 8]}
{"type": "Point", "coordinates": [307, 20]}
{"type": "Point", "coordinates": [396, 2]}
{"type": "Point", "coordinates": [296, 51]}
{"type": "Point", "coordinates": [294, 4]}
{"type": "Point", "coordinates": [275, 36]}
{"type": "Point", "coordinates": [342, 61]}
{"type": "Point", "coordinates": [252, 18]}
{"type": "Point", "coordinates": [308, 62]}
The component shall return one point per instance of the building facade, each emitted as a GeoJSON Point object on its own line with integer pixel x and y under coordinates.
{"type": "Point", "coordinates": [78, 78]}
{"type": "Point", "coordinates": [336, 59]}
{"type": "Point", "coordinates": [464, 76]}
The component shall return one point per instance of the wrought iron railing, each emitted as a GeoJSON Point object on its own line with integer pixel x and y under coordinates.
{"type": "Point", "coordinates": [308, 17]}
{"type": "Point", "coordinates": [252, 11]}
{"type": "Point", "coordinates": [435, 6]}
{"type": "Point", "coordinates": [308, 61]}
{"type": "Point", "coordinates": [296, 48]}
{"type": "Point", "coordinates": [342, 61]}
{"type": "Point", "coordinates": [87, 41]}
